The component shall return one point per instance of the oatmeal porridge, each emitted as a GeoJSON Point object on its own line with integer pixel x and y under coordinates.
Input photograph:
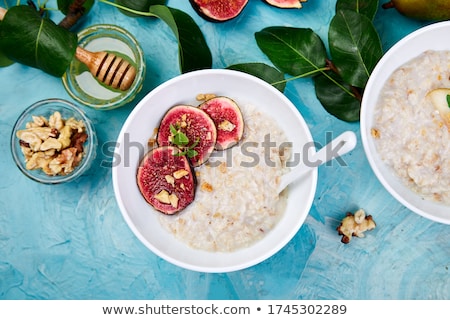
{"type": "Point", "coordinates": [236, 202]}
{"type": "Point", "coordinates": [410, 134]}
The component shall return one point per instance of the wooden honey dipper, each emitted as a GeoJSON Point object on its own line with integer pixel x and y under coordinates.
{"type": "Point", "coordinates": [108, 68]}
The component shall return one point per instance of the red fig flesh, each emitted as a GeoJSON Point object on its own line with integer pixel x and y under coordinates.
{"type": "Point", "coordinates": [286, 4]}
{"type": "Point", "coordinates": [219, 10]}
{"type": "Point", "coordinates": [166, 180]}
{"type": "Point", "coordinates": [228, 120]}
{"type": "Point", "coordinates": [196, 125]}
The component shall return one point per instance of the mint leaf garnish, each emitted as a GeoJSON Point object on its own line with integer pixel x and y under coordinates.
{"type": "Point", "coordinates": [181, 140]}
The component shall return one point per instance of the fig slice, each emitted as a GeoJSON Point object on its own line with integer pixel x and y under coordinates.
{"type": "Point", "coordinates": [228, 120]}
{"type": "Point", "coordinates": [218, 10]}
{"type": "Point", "coordinates": [166, 180]}
{"type": "Point", "coordinates": [195, 125]}
{"type": "Point", "coordinates": [286, 4]}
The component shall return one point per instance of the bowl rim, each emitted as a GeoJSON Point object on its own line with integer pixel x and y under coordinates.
{"type": "Point", "coordinates": [288, 234]}
{"type": "Point", "coordinates": [130, 94]}
{"type": "Point", "coordinates": [374, 159]}
{"type": "Point", "coordinates": [79, 115]}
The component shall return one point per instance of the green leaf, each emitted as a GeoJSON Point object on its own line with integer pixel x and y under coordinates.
{"type": "Point", "coordinates": [191, 153]}
{"type": "Point", "coordinates": [173, 130]}
{"type": "Point", "coordinates": [263, 71]}
{"type": "Point", "coordinates": [195, 143]}
{"type": "Point", "coordinates": [27, 38]}
{"type": "Point", "coordinates": [180, 139]}
{"type": "Point", "coordinates": [4, 60]}
{"type": "Point", "coordinates": [448, 100]}
{"type": "Point", "coordinates": [366, 7]}
{"type": "Point", "coordinates": [296, 51]}
{"type": "Point", "coordinates": [335, 100]}
{"type": "Point", "coordinates": [138, 5]}
{"type": "Point", "coordinates": [355, 46]}
{"type": "Point", "coordinates": [194, 53]}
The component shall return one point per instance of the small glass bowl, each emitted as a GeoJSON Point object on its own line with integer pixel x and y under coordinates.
{"type": "Point", "coordinates": [84, 87]}
{"type": "Point", "coordinates": [46, 108]}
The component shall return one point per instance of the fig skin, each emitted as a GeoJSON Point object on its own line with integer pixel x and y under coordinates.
{"type": "Point", "coordinates": [151, 178]}
{"type": "Point", "coordinates": [210, 10]}
{"type": "Point", "coordinates": [198, 126]}
{"type": "Point", "coordinates": [227, 117]}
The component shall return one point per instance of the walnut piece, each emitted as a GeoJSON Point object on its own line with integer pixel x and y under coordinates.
{"type": "Point", "coordinates": [180, 174]}
{"type": "Point", "coordinates": [226, 125]}
{"type": "Point", "coordinates": [163, 196]}
{"type": "Point", "coordinates": [30, 138]}
{"type": "Point", "coordinates": [173, 200]}
{"type": "Point", "coordinates": [204, 96]}
{"type": "Point", "coordinates": [206, 187]}
{"type": "Point", "coordinates": [354, 225]}
{"type": "Point", "coordinates": [170, 179]}
{"type": "Point", "coordinates": [56, 121]}
{"type": "Point", "coordinates": [375, 133]}
{"type": "Point", "coordinates": [50, 143]}
{"type": "Point", "coordinates": [168, 198]}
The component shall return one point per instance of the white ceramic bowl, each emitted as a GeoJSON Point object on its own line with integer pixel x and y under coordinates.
{"type": "Point", "coordinates": [138, 128]}
{"type": "Point", "coordinates": [432, 37]}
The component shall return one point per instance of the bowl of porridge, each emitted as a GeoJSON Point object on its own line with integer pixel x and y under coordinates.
{"type": "Point", "coordinates": [405, 121]}
{"type": "Point", "coordinates": [237, 218]}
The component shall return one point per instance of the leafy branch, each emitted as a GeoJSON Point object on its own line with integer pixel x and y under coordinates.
{"type": "Point", "coordinates": [194, 53]}
{"type": "Point", "coordinates": [73, 10]}
{"type": "Point", "coordinates": [354, 46]}
{"type": "Point", "coordinates": [339, 80]}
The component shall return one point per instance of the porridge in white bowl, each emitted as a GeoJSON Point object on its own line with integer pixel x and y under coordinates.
{"type": "Point", "coordinates": [144, 220]}
{"type": "Point", "coordinates": [410, 132]}
{"type": "Point", "coordinates": [236, 202]}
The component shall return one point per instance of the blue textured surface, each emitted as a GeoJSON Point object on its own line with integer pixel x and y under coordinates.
{"type": "Point", "coordinates": [71, 242]}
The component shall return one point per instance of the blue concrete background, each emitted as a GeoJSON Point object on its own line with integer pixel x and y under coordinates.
{"type": "Point", "coordinates": [71, 242]}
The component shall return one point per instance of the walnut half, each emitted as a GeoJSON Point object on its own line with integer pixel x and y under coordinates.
{"type": "Point", "coordinates": [355, 225]}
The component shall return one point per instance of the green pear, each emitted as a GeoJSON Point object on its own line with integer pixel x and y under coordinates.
{"type": "Point", "coordinates": [440, 98]}
{"type": "Point", "coordinates": [436, 10]}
